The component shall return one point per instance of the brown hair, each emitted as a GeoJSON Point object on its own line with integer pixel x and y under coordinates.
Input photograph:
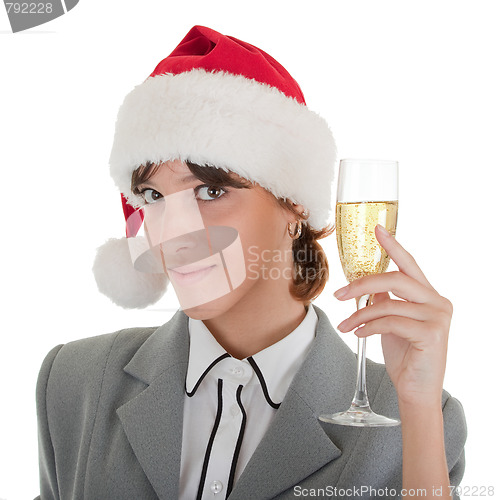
{"type": "Point", "coordinates": [311, 269]}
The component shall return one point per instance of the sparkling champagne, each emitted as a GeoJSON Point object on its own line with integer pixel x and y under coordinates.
{"type": "Point", "coordinates": [359, 251]}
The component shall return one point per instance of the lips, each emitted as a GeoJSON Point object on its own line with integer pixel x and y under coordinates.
{"type": "Point", "coordinates": [187, 275]}
{"type": "Point", "coordinates": [187, 269]}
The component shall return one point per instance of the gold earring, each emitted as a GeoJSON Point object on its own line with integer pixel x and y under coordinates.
{"type": "Point", "coordinates": [294, 235]}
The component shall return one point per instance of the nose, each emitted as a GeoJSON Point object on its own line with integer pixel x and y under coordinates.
{"type": "Point", "coordinates": [176, 225]}
{"type": "Point", "coordinates": [180, 244]}
{"type": "Point", "coordinates": [186, 249]}
{"type": "Point", "coordinates": [175, 215]}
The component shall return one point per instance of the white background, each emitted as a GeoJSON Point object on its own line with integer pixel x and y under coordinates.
{"type": "Point", "coordinates": [412, 81]}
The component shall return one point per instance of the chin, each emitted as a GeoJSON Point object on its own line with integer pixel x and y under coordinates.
{"type": "Point", "coordinates": [208, 310]}
{"type": "Point", "coordinates": [219, 306]}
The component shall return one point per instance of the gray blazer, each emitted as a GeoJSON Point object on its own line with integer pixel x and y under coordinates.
{"type": "Point", "coordinates": [110, 412]}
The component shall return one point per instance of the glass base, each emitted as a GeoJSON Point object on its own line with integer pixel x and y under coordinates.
{"type": "Point", "coordinates": [364, 417]}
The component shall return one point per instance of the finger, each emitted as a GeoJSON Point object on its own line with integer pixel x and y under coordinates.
{"type": "Point", "coordinates": [420, 334]}
{"type": "Point", "coordinates": [399, 284]}
{"type": "Point", "coordinates": [380, 297]}
{"type": "Point", "coordinates": [403, 259]}
{"type": "Point", "coordinates": [419, 312]}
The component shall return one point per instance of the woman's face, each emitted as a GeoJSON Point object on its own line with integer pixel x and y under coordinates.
{"type": "Point", "coordinates": [245, 252]}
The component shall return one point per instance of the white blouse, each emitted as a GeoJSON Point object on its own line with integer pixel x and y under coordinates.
{"type": "Point", "coordinates": [230, 403]}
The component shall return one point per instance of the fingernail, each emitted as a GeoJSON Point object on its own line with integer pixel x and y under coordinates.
{"type": "Point", "coordinates": [340, 327]}
{"type": "Point", "coordinates": [341, 292]}
{"type": "Point", "coordinates": [383, 230]}
{"type": "Point", "coordinates": [358, 331]}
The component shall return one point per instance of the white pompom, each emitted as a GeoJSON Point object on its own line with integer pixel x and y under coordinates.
{"type": "Point", "coordinates": [117, 279]}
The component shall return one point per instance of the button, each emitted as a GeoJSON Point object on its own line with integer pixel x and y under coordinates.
{"type": "Point", "coordinates": [234, 410]}
{"type": "Point", "coordinates": [216, 487]}
{"type": "Point", "coordinates": [238, 371]}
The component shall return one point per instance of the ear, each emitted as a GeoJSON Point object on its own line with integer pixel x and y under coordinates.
{"type": "Point", "coordinates": [301, 210]}
{"type": "Point", "coordinates": [291, 217]}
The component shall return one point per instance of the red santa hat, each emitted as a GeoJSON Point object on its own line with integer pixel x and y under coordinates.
{"type": "Point", "coordinates": [216, 101]}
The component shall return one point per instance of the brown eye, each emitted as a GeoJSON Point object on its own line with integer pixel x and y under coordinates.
{"type": "Point", "coordinates": [209, 193]}
{"type": "Point", "coordinates": [150, 195]}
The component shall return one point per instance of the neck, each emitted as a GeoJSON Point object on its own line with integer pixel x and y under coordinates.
{"type": "Point", "coordinates": [261, 319]}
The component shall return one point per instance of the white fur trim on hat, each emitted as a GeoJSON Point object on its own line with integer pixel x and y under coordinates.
{"type": "Point", "coordinates": [229, 122]}
{"type": "Point", "coordinates": [120, 281]}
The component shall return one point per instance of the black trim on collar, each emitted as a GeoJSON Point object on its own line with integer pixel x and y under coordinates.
{"type": "Point", "coordinates": [262, 383]}
{"type": "Point", "coordinates": [220, 358]}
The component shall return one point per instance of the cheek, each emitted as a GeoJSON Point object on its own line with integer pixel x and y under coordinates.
{"type": "Point", "coordinates": [259, 231]}
{"type": "Point", "coordinates": [262, 243]}
{"type": "Point", "coordinates": [260, 224]}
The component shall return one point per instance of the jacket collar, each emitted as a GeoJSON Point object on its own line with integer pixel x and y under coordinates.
{"type": "Point", "coordinates": [152, 420]}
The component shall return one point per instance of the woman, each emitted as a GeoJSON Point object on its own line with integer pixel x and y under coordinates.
{"type": "Point", "coordinates": [227, 174]}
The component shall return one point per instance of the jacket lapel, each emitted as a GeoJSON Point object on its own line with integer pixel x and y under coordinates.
{"type": "Point", "coordinates": [296, 443]}
{"type": "Point", "coordinates": [153, 419]}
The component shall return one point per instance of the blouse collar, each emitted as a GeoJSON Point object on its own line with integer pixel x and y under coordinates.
{"type": "Point", "coordinates": [275, 366]}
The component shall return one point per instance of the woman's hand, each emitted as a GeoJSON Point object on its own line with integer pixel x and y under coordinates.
{"type": "Point", "coordinates": [414, 331]}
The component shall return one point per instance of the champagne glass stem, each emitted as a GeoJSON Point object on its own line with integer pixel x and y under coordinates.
{"type": "Point", "coordinates": [360, 399]}
{"type": "Point", "coordinates": [359, 413]}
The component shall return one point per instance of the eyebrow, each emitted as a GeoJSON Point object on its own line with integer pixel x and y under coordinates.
{"type": "Point", "coordinates": [183, 180]}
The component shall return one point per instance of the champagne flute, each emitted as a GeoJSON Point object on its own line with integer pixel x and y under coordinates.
{"type": "Point", "coordinates": [367, 196]}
